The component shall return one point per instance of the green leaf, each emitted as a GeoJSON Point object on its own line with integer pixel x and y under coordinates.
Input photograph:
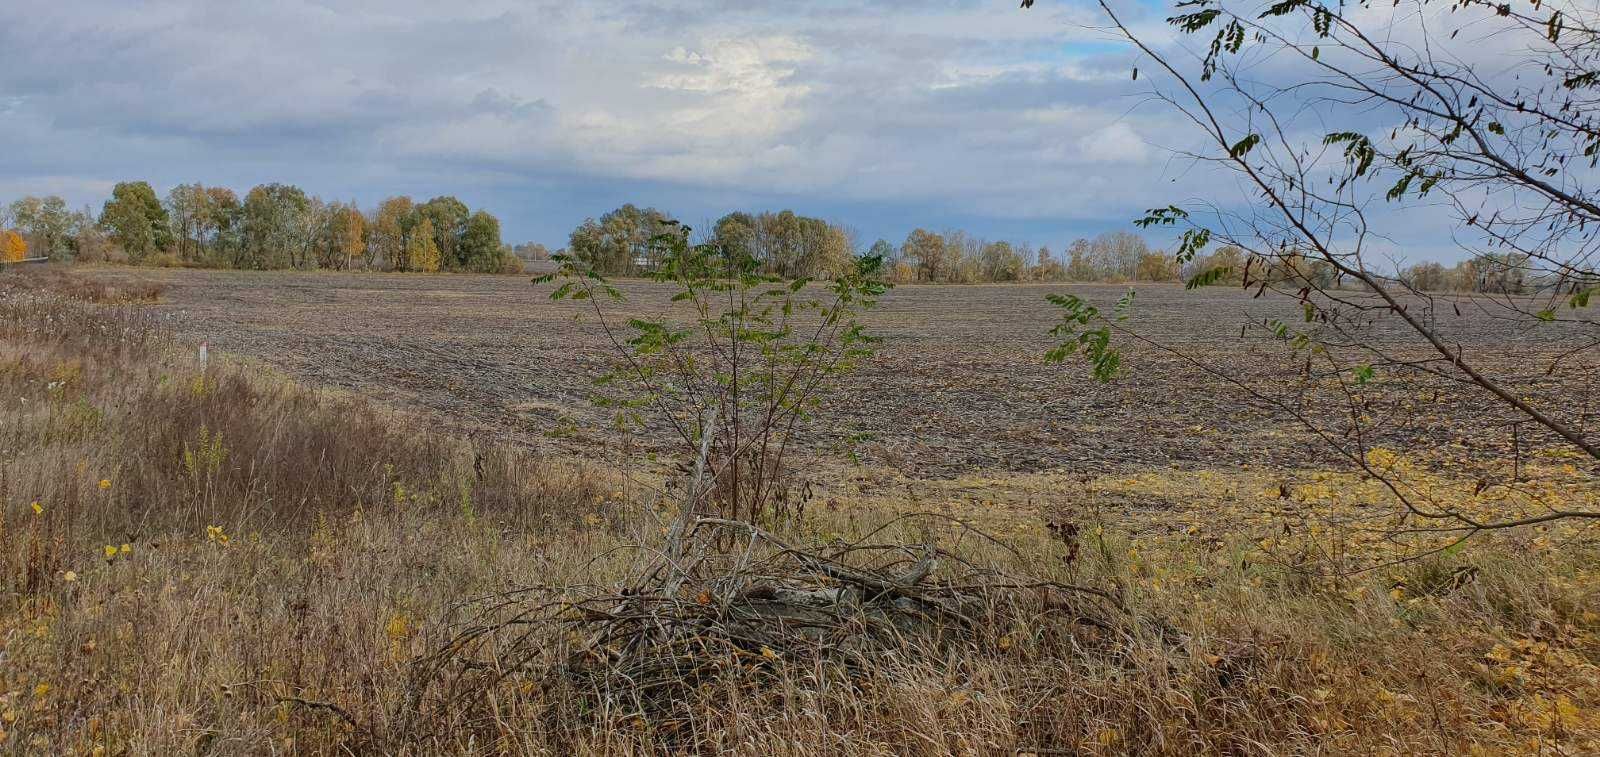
{"type": "Point", "coordinates": [1194, 242]}
{"type": "Point", "coordinates": [1358, 151]}
{"type": "Point", "coordinates": [1094, 344]}
{"type": "Point", "coordinates": [1243, 146]}
{"type": "Point", "coordinates": [1208, 277]}
{"type": "Point", "coordinates": [1547, 315]}
{"type": "Point", "coordinates": [1364, 374]}
{"type": "Point", "coordinates": [1400, 187]}
{"type": "Point", "coordinates": [1167, 216]}
{"type": "Point", "coordinates": [1193, 22]}
{"type": "Point", "coordinates": [1282, 8]}
{"type": "Point", "coordinates": [1124, 306]}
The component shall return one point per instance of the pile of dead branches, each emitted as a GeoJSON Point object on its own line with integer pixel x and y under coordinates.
{"type": "Point", "coordinates": [729, 601]}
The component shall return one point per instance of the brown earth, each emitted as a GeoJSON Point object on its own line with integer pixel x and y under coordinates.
{"type": "Point", "coordinates": [960, 384]}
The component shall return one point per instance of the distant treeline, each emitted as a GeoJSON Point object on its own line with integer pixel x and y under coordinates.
{"type": "Point", "coordinates": [620, 243]}
{"type": "Point", "coordinates": [1495, 274]}
{"type": "Point", "coordinates": [273, 226]}
{"type": "Point", "coordinates": [280, 226]}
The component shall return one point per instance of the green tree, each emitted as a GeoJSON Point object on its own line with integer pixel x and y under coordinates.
{"type": "Point", "coordinates": [620, 242]}
{"type": "Point", "coordinates": [137, 221]}
{"type": "Point", "coordinates": [47, 224]}
{"type": "Point", "coordinates": [275, 227]}
{"type": "Point", "coordinates": [448, 217]}
{"type": "Point", "coordinates": [480, 249]}
{"type": "Point", "coordinates": [189, 207]}
{"type": "Point", "coordinates": [221, 238]}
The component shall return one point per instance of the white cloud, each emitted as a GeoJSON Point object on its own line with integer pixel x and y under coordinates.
{"type": "Point", "coordinates": [1117, 143]}
{"type": "Point", "coordinates": [968, 109]}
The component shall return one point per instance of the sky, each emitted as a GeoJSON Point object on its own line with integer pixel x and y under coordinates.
{"type": "Point", "coordinates": [973, 114]}
{"type": "Point", "coordinates": [882, 117]}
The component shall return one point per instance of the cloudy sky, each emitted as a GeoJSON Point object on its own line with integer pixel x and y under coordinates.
{"type": "Point", "coordinates": [972, 114]}
{"type": "Point", "coordinates": [884, 116]}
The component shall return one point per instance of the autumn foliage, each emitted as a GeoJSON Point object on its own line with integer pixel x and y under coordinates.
{"type": "Point", "coordinates": [12, 247]}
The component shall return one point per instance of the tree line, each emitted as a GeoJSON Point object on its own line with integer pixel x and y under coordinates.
{"type": "Point", "coordinates": [280, 226]}
{"type": "Point", "coordinates": [1492, 273]}
{"type": "Point", "coordinates": [273, 226]}
{"type": "Point", "coordinates": [622, 242]}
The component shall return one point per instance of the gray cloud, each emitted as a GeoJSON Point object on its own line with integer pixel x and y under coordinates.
{"type": "Point", "coordinates": [1017, 123]}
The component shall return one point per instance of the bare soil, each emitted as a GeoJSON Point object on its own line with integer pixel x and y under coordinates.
{"type": "Point", "coordinates": [960, 384]}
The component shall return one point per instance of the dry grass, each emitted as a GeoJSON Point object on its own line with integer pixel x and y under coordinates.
{"type": "Point", "coordinates": [223, 562]}
{"type": "Point", "coordinates": [55, 279]}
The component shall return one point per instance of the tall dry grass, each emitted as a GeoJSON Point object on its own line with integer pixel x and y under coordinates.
{"type": "Point", "coordinates": [223, 562]}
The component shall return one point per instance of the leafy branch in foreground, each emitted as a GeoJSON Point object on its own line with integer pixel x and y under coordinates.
{"type": "Point", "coordinates": [737, 366]}
{"type": "Point", "coordinates": [1084, 331]}
{"type": "Point", "coordinates": [1369, 117]}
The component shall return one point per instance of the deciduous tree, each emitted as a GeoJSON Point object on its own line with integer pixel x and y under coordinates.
{"type": "Point", "coordinates": [275, 230]}
{"type": "Point", "coordinates": [422, 254]}
{"type": "Point", "coordinates": [479, 248]}
{"type": "Point", "coordinates": [137, 221]}
{"type": "Point", "coordinates": [12, 246]}
{"type": "Point", "coordinates": [619, 243]}
{"type": "Point", "coordinates": [448, 217]}
{"type": "Point", "coordinates": [47, 225]}
{"type": "Point", "coordinates": [925, 250]}
{"type": "Point", "coordinates": [386, 233]}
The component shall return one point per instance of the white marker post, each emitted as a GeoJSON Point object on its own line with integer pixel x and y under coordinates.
{"type": "Point", "coordinates": [203, 346]}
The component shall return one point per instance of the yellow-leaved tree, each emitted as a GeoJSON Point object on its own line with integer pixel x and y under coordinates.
{"type": "Point", "coordinates": [12, 246]}
{"type": "Point", "coordinates": [352, 234]}
{"type": "Point", "coordinates": [422, 254]}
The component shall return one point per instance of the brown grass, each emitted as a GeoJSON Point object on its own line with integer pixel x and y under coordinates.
{"type": "Point", "coordinates": [289, 553]}
{"type": "Point", "coordinates": [56, 279]}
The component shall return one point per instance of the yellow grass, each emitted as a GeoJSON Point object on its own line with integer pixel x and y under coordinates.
{"type": "Point", "coordinates": [222, 562]}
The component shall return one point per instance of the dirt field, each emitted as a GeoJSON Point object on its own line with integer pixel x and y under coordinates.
{"type": "Point", "coordinates": [960, 386]}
